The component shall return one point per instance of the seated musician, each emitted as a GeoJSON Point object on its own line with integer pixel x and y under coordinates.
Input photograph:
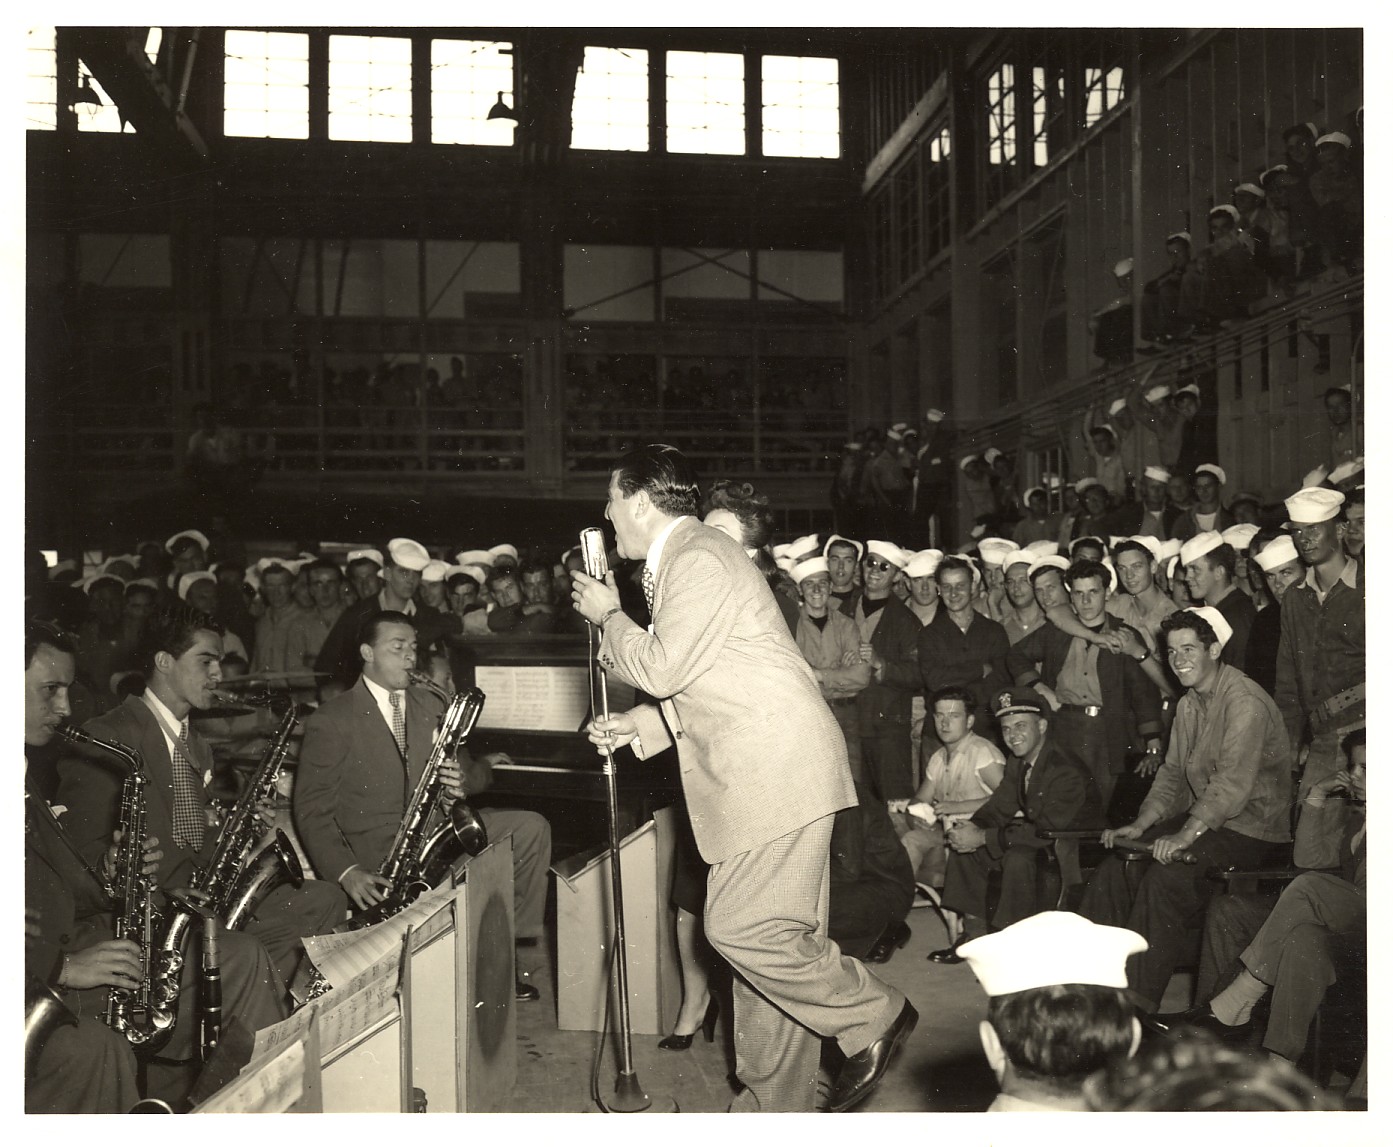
{"type": "Point", "coordinates": [365, 749]}
{"type": "Point", "coordinates": [70, 943]}
{"type": "Point", "coordinates": [1223, 795]}
{"type": "Point", "coordinates": [181, 663]}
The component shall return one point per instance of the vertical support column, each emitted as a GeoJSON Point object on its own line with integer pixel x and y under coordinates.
{"type": "Point", "coordinates": [541, 259]}
{"type": "Point", "coordinates": [193, 254]}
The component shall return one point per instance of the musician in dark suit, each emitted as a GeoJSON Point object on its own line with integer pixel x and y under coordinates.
{"type": "Point", "coordinates": [356, 771]}
{"type": "Point", "coordinates": [731, 685]}
{"type": "Point", "coordinates": [1044, 787]}
{"type": "Point", "coordinates": [181, 654]}
{"type": "Point", "coordinates": [70, 942]}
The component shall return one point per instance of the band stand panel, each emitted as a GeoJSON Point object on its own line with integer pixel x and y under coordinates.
{"type": "Point", "coordinates": [367, 1041]}
{"type": "Point", "coordinates": [284, 1081]}
{"type": "Point", "coordinates": [486, 1024]}
{"type": "Point", "coordinates": [585, 924]}
{"type": "Point", "coordinates": [431, 1003]}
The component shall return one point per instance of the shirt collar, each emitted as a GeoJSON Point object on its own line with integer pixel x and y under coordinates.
{"type": "Point", "coordinates": [379, 694]}
{"type": "Point", "coordinates": [161, 711]}
{"type": "Point", "coordinates": [381, 604]}
{"type": "Point", "coordinates": [655, 551]}
{"type": "Point", "coordinates": [1349, 575]}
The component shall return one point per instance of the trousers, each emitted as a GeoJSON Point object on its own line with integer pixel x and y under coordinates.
{"type": "Point", "coordinates": [286, 914]}
{"type": "Point", "coordinates": [766, 914]}
{"type": "Point", "coordinates": [83, 1070]}
{"type": "Point", "coordinates": [531, 833]}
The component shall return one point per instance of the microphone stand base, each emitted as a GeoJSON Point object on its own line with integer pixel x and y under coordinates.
{"type": "Point", "coordinates": [630, 1098]}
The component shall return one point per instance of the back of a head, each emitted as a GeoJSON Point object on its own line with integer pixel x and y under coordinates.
{"type": "Point", "coordinates": [751, 509]}
{"type": "Point", "coordinates": [1059, 1035]}
{"type": "Point", "coordinates": [664, 474]}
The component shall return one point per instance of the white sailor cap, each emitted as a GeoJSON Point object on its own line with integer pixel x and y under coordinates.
{"type": "Point", "coordinates": [933, 414]}
{"type": "Point", "coordinates": [479, 573]}
{"type": "Point", "coordinates": [1112, 573]}
{"type": "Point", "coordinates": [1084, 483]}
{"type": "Point", "coordinates": [1184, 236]}
{"type": "Point", "coordinates": [1122, 267]}
{"type": "Point", "coordinates": [889, 551]}
{"type": "Point", "coordinates": [808, 568]}
{"type": "Point", "coordinates": [1280, 551]}
{"type": "Point", "coordinates": [1093, 538]}
{"type": "Point", "coordinates": [434, 570]}
{"type": "Point", "coordinates": [1217, 622]}
{"type": "Point", "coordinates": [455, 571]}
{"type": "Point", "coordinates": [1015, 558]}
{"type": "Point", "coordinates": [1116, 405]}
{"type": "Point", "coordinates": [894, 435]}
{"type": "Point", "coordinates": [1225, 209]}
{"type": "Point", "coordinates": [1214, 469]}
{"type": "Point", "coordinates": [1250, 189]}
{"type": "Point", "coordinates": [1345, 471]}
{"type": "Point", "coordinates": [1030, 493]}
{"type": "Point", "coordinates": [197, 535]}
{"type": "Point", "coordinates": [408, 554]}
{"type": "Point", "coordinates": [188, 579]}
{"type": "Point", "coordinates": [782, 550]}
{"type": "Point", "coordinates": [1200, 545]}
{"type": "Point", "coordinates": [993, 550]}
{"type": "Point", "coordinates": [1051, 948]}
{"type": "Point", "coordinates": [923, 563]}
{"type": "Point", "coordinates": [977, 531]}
{"type": "Point", "coordinates": [1050, 561]}
{"type": "Point", "coordinates": [1313, 504]}
{"type": "Point", "coordinates": [804, 547]}
{"type": "Point", "coordinates": [786, 563]}
{"type": "Point", "coordinates": [144, 582]}
{"type": "Point", "coordinates": [363, 556]}
{"type": "Point", "coordinates": [87, 584]}
{"type": "Point", "coordinates": [67, 565]}
{"type": "Point", "coordinates": [1101, 429]}
{"type": "Point", "coordinates": [902, 427]}
{"type": "Point", "coordinates": [1170, 548]}
{"type": "Point", "coordinates": [828, 544]}
{"type": "Point", "coordinates": [1317, 476]}
{"type": "Point", "coordinates": [1308, 129]}
{"type": "Point", "coordinates": [132, 560]}
{"type": "Point", "coordinates": [967, 460]}
{"type": "Point", "coordinates": [972, 564]}
{"type": "Point", "coordinates": [1275, 169]}
{"type": "Point", "coordinates": [1189, 388]}
{"type": "Point", "coordinates": [1042, 549]}
{"type": "Point", "coordinates": [1240, 537]}
{"type": "Point", "coordinates": [1149, 542]}
{"type": "Point", "coordinates": [854, 446]}
{"type": "Point", "coordinates": [1336, 137]}
{"type": "Point", "coordinates": [503, 548]}
{"type": "Point", "coordinates": [1157, 393]}
{"type": "Point", "coordinates": [990, 455]}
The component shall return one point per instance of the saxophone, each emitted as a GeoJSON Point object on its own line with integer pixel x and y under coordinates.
{"type": "Point", "coordinates": [44, 1013]}
{"type": "Point", "coordinates": [145, 1015]}
{"type": "Point", "coordinates": [419, 858]}
{"type": "Point", "coordinates": [237, 878]}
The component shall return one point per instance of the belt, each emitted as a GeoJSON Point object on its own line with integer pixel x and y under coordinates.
{"type": "Point", "coordinates": [1327, 709]}
{"type": "Point", "coordinates": [1086, 710]}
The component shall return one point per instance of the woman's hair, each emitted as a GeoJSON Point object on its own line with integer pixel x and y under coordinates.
{"type": "Point", "coordinates": [750, 509]}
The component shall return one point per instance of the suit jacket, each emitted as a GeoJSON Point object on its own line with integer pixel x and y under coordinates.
{"type": "Point", "coordinates": [1131, 703]}
{"type": "Point", "coordinates": [90, 785]}
{"type": "Point", "coordinates": [352, 786]}
{"type": "Point", "coordinates": [1060, 794]}
{"type": "Point", "coordinates": [759, 751]}
{"type": "Point", "coordinates": [896, 640]}
{"type": "Point", "coordinates": [1127, 519]}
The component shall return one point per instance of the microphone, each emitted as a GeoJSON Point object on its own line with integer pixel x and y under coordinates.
{"type": "Point", "coordinates": [592, 550]}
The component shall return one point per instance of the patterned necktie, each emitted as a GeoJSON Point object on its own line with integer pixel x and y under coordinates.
{"type": "Point", "coordinates": [648, 587]}
{"type": "Point", "coordinates": [398, 722]}
{"type": "Point", "coordinates": [190, 820]}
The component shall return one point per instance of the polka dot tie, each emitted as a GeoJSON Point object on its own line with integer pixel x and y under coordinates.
{"type": "Point", "coordinates": [398, 722]}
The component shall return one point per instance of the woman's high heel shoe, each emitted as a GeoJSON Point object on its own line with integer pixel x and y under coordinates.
{"type": "Point", "coordinates": [708, 1029]}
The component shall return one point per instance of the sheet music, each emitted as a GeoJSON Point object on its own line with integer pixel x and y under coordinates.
{"type": "Point", "coordinates": [277, 1035]}
{"type": "Point", "coordinates": [340, 956]}
{"type": "Point", "coordinates": [273, 1085]}
{"type": "Point", "coordinates": [357, 1006]}
{"type": "Point", "coordinates": [541, 698]}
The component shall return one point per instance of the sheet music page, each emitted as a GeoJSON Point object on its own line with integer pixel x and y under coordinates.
{"type": "Point", "coordinates": [541, 698]}
{"type": "Point", "coordinates": [269, 1039]}
{"type": "Point", "coordinates": [349, 1011]}
{"type": "Point", "coordinates": [340, 956]}
{"type": "Point", "coordinates": [272, 1085]}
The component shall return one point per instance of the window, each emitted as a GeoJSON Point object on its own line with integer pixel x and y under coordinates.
{"type": "Point", "coordinates": [153, 39]}
{"type": "Point", "coordinates": [467, 78]}
{"type": "Point", "coordinates": [101, 116]}
{"type": "Point", "coordinates": [706, 103]}
{"type": "Point", "coordinates": [1049, 118]}
{"type": "Point", "coordinates": [370, 88]}
{"type": "Point", "coordinates": [800, 100]}
{"type": "Point", "coordinates": [266, 84]}
{"type": "Point", "coordinates": [1103, 91]}
{"type": "Point", "coordinates": [610, 112]}
{"type": "Point", "coordinates": [938, 223]}
{"type": "Point", "coordinates": [41, 85]}
{"type": "Point", "coordinates": [908, 223]}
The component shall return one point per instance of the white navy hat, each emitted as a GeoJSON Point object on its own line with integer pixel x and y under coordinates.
{"type": "Point", "coordinates": [1170, 548]}
{"type": "Point", "coordinates": [1084, 483]}
{"type": "Point", "coordinates": [894, 435]}
{"type": "Point", "coordinates": [408, 554]}
{"type": "Point", "coordinates": [188, 579]}
{"type": "Point", "coordinates": [1122, 267]}
{"type": "Point", "coordinates": [363, 556]}
{"type": "Point", "coordinates": [1042, 549]}
{"type": "Point", "coordinates": [990, 455]}
{"type": "Point", "coordinates": [1313, 504]}
{"type": "Point", "coordinates": [803, 547]}
{"type": "Point", "coordinates": [1225, 209]}
{"type": "Point", "coordinates": [1240, 537]}
{"type": "Point", "coordinates": [967, 460]}
{"type": "Point", "coordinates": [196, 535]}
{"type": "Point", "coordinates": [1050, 561]}
{"type": "Point", "coordinates": [1344, 471]}
{"type": "Point", "coordinates": [1051, 948]}
{"type": "Point", "coordinates": [1222, 629]}
{"type": "Point", "coordinates": [503, 548]}
{"type": "Point", "coordinates": [1182, 235]}
{"type": "Point", "coordinates": [923, 563]}
{"type": "Point", "coordinates": [1157, 393]}
{"type": "Point", "coordinates": [786, 563]}
{"type": "Point", "coordinates": [1200, 545]}
{"type": "Point", "coordinates": [1015, 558]}
{"type": "Point", "coordinates": [808, 568]}
{"type": "Point", "coordinates": [87, 584]}
{"type": "Point", "coordinates": [434, 570]}
{"type": "Point", "coordinates": [1117, 404]}
{"type": "Point", "coordinates": [474, 557]}
{"type": "Point", "coordinates": [1030, 493]}
{"type": "Point", "coordinates": [1336, 137]}
{"type": "Point", "coordinates": [933, 414]}
{"type": "Point", "coordinates": [889, 551]}
{"type": "Point", "coordinates": [1280, 551]}
{"type": "Point", "coordinates": [1150, 543]}
{"type": "Point", "coordinates": [992, 550]}
{"type": "Point", "coordinates": [1251, 189]}
{"type": "Point", "coordinates": [1212, 468]}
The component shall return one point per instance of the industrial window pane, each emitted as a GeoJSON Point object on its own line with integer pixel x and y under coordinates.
{"type": "Point", "coordinates": [1104, 89]}
{"type": "Point", "coordinates": [801, 103]}
{"type": "Point", "coordinates": [610, 112]}
{"type": "Point", "coordinates": [467, 77]}
{"type": "Point", "coordinates": [266, 84]}
{"type": "Point", "coordinates": [706, 103]}
{"type": "Point", "coordinates": [1001, 115]}
{"type": "Point", "coordinates": [41, 80]}
{"type": "Point", "coordinates": [370, 88]}
{"type": "Point", "coordinates": [103, 116]}
{"type": "Point", "coordinates": [153, 39]}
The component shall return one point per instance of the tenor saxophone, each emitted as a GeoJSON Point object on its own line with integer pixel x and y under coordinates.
{"type": "Point", "coordinates": [420, 855]}
{"type": "Point", "coordinates": [44, 1013]}
{"type": "Point", "coordinates": [145, 1015]}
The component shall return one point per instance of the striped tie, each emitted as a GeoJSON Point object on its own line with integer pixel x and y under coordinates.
{"type": "Point", "coordinates": [398, 722]}
{"type": "Point", "coordinates": [648, 587]}
{"type": "Point", "coordinates": [190, 819]}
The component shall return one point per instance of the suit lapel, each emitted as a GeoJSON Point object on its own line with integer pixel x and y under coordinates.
{"type": "Point", "coordinates": [381, 742]}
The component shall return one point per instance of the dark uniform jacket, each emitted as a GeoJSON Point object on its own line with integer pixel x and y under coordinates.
{"type": "Point", "coordinates": [1059, 794]}
{"type": "Point", "coordinates": [896, 640]}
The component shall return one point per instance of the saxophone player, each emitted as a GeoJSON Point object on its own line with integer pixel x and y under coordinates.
{"type": "Point", "coordinates": [180, 655]}
{"type": "Point", "coordinates": [366, 748]}
{"type": "Point", "coordinates": [69, 939]}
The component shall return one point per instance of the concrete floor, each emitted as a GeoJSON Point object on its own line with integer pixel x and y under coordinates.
{"type": "Point", "coordinates": [940, 1068]}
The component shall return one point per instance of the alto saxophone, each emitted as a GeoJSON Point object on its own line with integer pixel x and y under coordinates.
{"type": "Point", "coordinates": [144, 1015]}
{"type": "Point", "coordinates": [44, 1013]}
{"type": "Point", "coordinates": [237, 876]}
{"type": "Point", "coordinates": [419, 856]}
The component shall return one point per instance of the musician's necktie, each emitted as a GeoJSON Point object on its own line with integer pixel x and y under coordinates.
{"type": "Point", "coordinates": [398, 722]}
{"type": "Point", "coordinates": [648, 588]}
{"type": "Point", "coordinates": [190, 819]}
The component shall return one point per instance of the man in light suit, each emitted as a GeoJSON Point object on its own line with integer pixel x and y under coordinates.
{"type": "Point", "coordinates": [731, 688]}
{"type": "Point", "coordinates": [353, 780]}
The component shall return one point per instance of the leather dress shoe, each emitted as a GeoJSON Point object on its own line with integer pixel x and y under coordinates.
{"type": "Point", "coordinates": [895, 936]}
{"type": "Point", "coordinates": [946, 955]}
{"type": "Point", "coordinates": [525, 991]}
{"type": "Point", "coordinates": [862, 1071]}
{"type": "Point", "coordinates": [1200, 1016]}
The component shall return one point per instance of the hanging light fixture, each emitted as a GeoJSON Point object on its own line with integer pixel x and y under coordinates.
{"type": "Point", "coordinates": [500, 110]}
